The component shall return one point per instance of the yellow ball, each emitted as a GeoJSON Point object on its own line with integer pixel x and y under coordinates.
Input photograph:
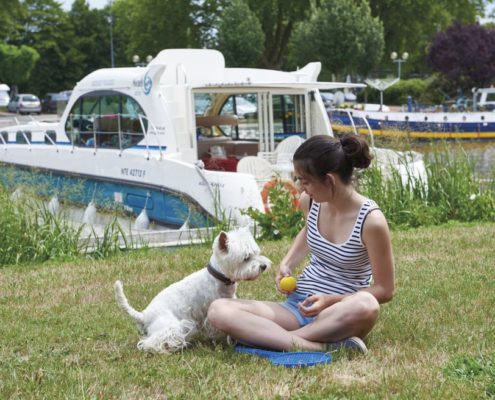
{"type": "Point", "coordinates": [288, 283]}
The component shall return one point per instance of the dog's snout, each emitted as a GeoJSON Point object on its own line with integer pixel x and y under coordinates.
{"type": "Point", "coordinates": [263, 267]}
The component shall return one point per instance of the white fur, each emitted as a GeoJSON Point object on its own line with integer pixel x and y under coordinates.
{"type": "Point", "coordinates": [178, 313]}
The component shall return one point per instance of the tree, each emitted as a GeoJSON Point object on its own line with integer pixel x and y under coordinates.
{"type": "Point", "coordinates": [343, 35]}
{"type": "Point", "coordinates": [278, 19]}
{"type": "Point", "coordinates": [45, 27]}
{"type": "Point", "coordinates": [410, 25]}
{"type": "Point", "coordinates": [91, 44]}
{"type": "Point", "coordinates": [149, 26]}
{"type": "Point", "coordinates": [464, 55]}
{"type": "Point", "coordinates": [17, 64]}
{"type": "Point", "coordinates": [240, 37]}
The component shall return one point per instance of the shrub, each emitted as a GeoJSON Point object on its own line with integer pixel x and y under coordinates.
{"type": "Point", "coordinates": [283, 219]}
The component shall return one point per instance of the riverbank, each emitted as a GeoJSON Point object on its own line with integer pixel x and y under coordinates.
{"type": "Point", "coordinates": [64, 337]}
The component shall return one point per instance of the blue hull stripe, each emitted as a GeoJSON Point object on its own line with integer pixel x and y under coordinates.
{"type": "Point", "coordinates": [162, 205]}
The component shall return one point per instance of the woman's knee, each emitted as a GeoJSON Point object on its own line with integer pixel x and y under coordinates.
{"type": "Point", "coordinates": [220, 310]}
{"type": "Point", "coordinates": [367, 306]}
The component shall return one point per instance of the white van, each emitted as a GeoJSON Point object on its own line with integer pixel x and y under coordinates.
{"type": "Point", "coordinates": [4, 95]}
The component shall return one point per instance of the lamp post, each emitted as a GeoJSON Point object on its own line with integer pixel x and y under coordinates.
{"type": "Point", "coordinates": [110, 21]}
{"type": "Point", "coordinates": [137, 60]}
{"type": "Point", "coordinates": [399, 61]}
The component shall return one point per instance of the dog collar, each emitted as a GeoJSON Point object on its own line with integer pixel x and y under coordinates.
{"type": "Point", "coordinates": [217, 274]}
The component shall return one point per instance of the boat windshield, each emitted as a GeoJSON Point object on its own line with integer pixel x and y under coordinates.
{"type": "Point", "coordinates": [106, 119]}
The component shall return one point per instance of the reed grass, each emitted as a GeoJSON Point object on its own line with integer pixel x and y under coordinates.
{"type": "Point", "coordinates": [453, 191]}
{"type": "Point", "coordinates": [31, 233]}
{"type": "Point", "coordinates": [63, 336]}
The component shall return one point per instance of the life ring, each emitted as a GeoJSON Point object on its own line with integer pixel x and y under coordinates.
{"type": "Point", "coordinates": [289, 186]}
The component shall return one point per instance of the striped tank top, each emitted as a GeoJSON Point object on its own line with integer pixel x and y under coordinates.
{"type": "Point", "coordinates": [336, 268]}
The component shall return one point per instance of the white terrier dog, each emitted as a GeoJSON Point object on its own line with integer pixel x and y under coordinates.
{"type": "Point", "coordinates": [178, 313]}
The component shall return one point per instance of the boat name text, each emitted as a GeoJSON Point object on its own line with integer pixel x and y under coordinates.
{"type": "Point", "coordinates": [138, 173]}
{"type": "Point", "coordinates": [216, 184]}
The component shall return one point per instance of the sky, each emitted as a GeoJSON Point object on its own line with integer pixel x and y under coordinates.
{"type": "Point", "coordinates": [66, 4]}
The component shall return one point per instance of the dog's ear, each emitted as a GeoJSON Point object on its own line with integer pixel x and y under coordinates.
{"type": "Point", "coordinates": [222, 241]}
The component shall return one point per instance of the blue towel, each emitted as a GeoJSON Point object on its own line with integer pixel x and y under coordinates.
{"type": "Point", "coordinates": [287, 359]}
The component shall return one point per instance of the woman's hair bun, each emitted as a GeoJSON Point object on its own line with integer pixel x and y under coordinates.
{"type": "Point", "coordinates": [356, 150]}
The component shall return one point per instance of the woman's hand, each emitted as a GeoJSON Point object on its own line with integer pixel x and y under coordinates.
{"type": "Point", "coordinates": [283, 271]}
{"type": "Point", "coordinates": [315, 304]}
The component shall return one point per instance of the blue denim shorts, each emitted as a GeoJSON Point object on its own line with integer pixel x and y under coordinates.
{"type": "Point", "coordinates": [291, 303]}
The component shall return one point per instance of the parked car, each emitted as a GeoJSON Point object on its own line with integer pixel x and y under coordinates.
{"type": "Point", "coordinates": [25, 104]}
{"type": "Point", "coordinates": [51, 102]}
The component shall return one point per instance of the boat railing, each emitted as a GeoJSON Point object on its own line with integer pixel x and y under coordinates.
{"type": "Point", "coordinates": [353, 124]}
{"type": "Point", "coordinates": [52, 142]}
{"type": "Point", "coordinates": [115, 131]}
{"type": "Point", "coordinates": [28, 141]}
{"type": "Point", "coordinates": [142, 118]}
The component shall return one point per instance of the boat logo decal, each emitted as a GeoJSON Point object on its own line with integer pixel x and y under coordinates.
{"type": "Point", "coordinates": [147, 84]}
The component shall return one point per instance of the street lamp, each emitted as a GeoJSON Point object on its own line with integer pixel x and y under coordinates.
{"type": "Point", "coordinates": [110, 21]}
{"type": "Point", "coordinates": [399, 61]}
{"type": "Point", "coordinates": [137, 60]}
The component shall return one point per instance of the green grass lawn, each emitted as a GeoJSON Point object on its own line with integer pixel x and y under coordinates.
{"type": "Point", "coordinates": [62, 335]}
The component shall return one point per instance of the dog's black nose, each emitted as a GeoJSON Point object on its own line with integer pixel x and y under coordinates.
{"type": "Point", "coordinates": [262, 267]}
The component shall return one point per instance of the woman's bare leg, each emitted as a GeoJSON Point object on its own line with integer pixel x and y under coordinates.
{"type": "Point", "coordinates": [257, 323]}
{"type": "Point", "coordinates": [270, 325]}
{"type": "Point", "coordinates": [353, 316]}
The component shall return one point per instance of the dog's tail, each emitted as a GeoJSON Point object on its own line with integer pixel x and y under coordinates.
{"type": "Point", "coordinates": [124, 304]}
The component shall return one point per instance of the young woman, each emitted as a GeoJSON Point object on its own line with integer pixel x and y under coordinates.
{"type": "Point", "coordinates": [351, 267]}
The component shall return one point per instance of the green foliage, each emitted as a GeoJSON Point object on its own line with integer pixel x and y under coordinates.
{"type": "Point", "coordinates": [8, 12]}
{"type": "Point", "coordinates": [90, 26]}
{"type": "Point", "coordinates": [479, 370]}
{"type": "Point", "coordinates": [17, 63]}
{"type": "Point", "coordinates": [45, 27]}
{"type": "Point", "coordinates": [149, 26]}
{"type": "Point", "coordinates": [452, 192]}
{"type": "Point", "coordinates": [240, 37]}
{"type": "Point", "coordinates": [341, 34]}
{"type": "Point", "coordinates": [278, 19]}
{"type": "Point", "coordinates": [411, 25]}
{"type": "Point", "coordinates": [283, 219]}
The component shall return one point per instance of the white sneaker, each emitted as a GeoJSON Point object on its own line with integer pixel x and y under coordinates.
{"type": "Point", "coordinates": [352, 342]}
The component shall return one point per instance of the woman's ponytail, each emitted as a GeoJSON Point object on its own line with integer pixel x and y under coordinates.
{"type": "Point", "coordinates": [356, 151]}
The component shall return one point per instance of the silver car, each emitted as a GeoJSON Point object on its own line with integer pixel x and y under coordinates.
{"type": "Point", "coordinates": [25, 104]}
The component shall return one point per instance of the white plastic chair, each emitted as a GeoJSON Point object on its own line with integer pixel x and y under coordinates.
{"type": "Point", "coordinates": [285, 151]}
{"type": "Point", "coordinates": [289, 145]}
{"type": "Point", "coordinates": [261, 169]}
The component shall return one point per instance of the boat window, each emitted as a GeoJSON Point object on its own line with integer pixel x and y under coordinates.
{"type": "Point", "coordinates": [106, 119]}
{"type": "Point", "coordinates": [21, 136]}
{"type": "Point", "coordinates": [52, 135]}
{"type": "Point", "coordinates": [244, 107]}
{"type": "Point", "coordinates": [202, 101]}
{"type": "Point", "coordinates": [288, 116]}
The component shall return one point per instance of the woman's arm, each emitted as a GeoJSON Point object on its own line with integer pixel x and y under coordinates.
{"type": "Point", "coordinates": [299, 248]}
{"type": "Point", "coordinates": [376, 238]}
